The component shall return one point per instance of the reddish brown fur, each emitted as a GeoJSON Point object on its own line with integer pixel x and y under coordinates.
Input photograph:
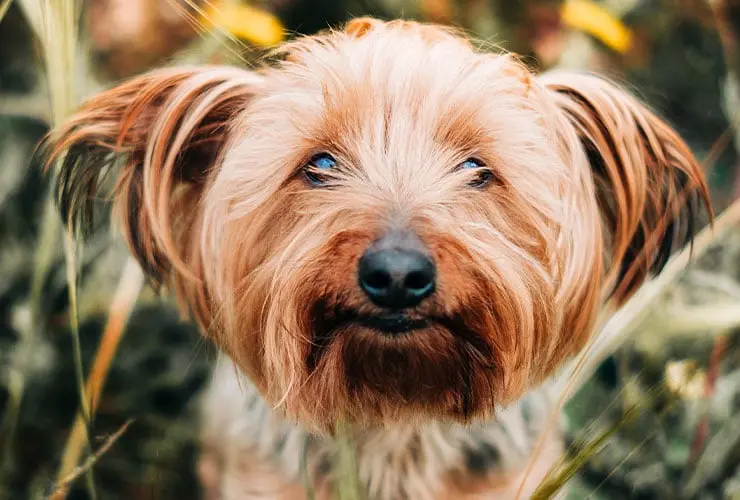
{"type": "Point", "coordinates": [588, 188]}
{"type": "Point", "coordinates": [648, 177]}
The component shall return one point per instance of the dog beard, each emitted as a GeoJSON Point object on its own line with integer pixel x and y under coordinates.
{"type": "Point", "coordinates": [390, 362]}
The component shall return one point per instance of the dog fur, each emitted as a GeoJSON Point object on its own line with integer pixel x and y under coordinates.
{"type": "Point", "coordinates": [581, 193]}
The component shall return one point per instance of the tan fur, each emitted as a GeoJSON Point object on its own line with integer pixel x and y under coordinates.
{"type": "Point", "coordinates": [589, 193]}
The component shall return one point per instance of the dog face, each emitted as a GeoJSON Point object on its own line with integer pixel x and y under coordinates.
{"type": "Point", "coordinates": [387, 224]}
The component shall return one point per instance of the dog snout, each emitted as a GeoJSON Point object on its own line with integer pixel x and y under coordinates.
{"type": "Point", "coordinates": [396, 272]}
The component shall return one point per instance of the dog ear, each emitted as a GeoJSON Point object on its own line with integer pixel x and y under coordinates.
{"type": "Point", "coordinates": [649, 185]}
{"type": "Point", "coordinates": [168, 129]}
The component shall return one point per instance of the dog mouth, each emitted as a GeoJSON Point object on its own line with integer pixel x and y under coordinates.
{"type": "Point", "coordinates": [391, 324]}
{"type": "Point", "coordinates": [330, 322]}
{"type": "Point", "coordinates": [388, 324]}
{"type": "Point", "coordinates": [385, 325]}
{"type": "Point", "coordinates": [408, 356]}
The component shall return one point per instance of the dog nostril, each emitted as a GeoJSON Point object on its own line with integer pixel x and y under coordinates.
{"type": "Point", "coordinates": [418, 281]}
{"type": "Point", "coordinates": [378, 279]}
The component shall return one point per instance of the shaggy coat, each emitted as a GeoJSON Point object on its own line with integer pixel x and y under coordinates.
{"type": "Point", "coordinates": [254, 194]}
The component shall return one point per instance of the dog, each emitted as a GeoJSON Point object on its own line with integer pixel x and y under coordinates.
{"type": "Point", "coordinates": [387, 228]}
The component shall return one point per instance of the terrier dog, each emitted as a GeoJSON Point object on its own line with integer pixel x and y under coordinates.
{"type": "Point", "coordinates": [385, 227]}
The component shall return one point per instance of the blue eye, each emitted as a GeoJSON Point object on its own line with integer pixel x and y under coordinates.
{"type": "Point", "coordinates": [484, 174]}
{"type": "Point", "coordinates": [323, 161]}
{"type": "Point", "coordinates": [312, 170]}
{"type": "Point", "coordinates": [471, 163]}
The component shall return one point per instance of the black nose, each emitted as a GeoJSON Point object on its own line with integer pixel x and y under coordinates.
{"type": "Point", "coordinates": [395, 272]}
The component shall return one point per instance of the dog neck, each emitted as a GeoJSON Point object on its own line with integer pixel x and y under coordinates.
{"type": "Point", "coordinates": [393, 462]}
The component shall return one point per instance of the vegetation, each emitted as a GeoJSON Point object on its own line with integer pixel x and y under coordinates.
{"type": "Point", "coordinates": [99, 376]}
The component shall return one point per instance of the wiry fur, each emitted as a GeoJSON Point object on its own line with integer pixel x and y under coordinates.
{"type": "Point", "coordinates": [591, 194]}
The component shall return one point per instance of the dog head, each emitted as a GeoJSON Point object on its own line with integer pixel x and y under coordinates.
{"type": "Point", "coordinates": [385, 222]}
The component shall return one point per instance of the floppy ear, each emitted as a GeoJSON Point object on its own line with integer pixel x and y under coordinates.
{"type": "Point", "coordinates": [168, 129]}
{"type": "Point", "coordinates": [650, 187]}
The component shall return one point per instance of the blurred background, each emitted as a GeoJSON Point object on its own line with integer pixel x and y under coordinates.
{"type": "Point", "coordinates": [659, 418]}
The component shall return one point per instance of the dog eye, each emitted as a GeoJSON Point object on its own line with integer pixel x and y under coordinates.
{"type": "Point", "coordinates": [317, 164]}
{"type": "Point", "coordinates": [484, 174]}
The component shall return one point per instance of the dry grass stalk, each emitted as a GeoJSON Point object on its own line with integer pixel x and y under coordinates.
{"type": "Point", "coordinates": [124, 300]}
{"type": "Point", "coordinates": [714, 319]}
{"type": "Point", "coordinates": [71, 251]}
{"type": "Point", "coordinates": [306, 473]}
{"type": "Point", "coordinates": [63, 485]}
{"type": "Point", "coordinates": [44, 254]}
{"type": "Point", "coordinates": [702, 429]}
{"type": "Point", "coordinates": [25, 106]}
{"type": "Point", "coordinates": [569, 467]}
{"type": "Point", "coordinates": [715, 457]}
{"type": "Point", "coordinates": [4, 6]}
{"type": "Point", "coordinates": [582, 451]}
{"type": "Point", "coordinates": [625, 321]}
{"type": "Point", "coordinates": [622, 323]}
{"type": "Point", "coordinates": [348, 483]}
{"type": "Point", "coordinates": [206, 26]}
{"type": "Point", "coordinates": [56, 25]}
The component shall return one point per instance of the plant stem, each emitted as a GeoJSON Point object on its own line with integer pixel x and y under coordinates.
{"type": "Point", "coordinates": [124, 301]}
{"type": "Point", "coordinates": [348, 485]}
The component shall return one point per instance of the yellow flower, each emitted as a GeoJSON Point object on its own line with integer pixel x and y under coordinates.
{"type": "Point", "coordinates": [246, 22]}
{"type": "Point", "coordinates": [587, 16]}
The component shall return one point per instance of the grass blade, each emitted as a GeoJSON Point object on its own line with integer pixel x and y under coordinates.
{"type": "Point", "coordinates": [64, 484]}
{"type": "Point", "coordinates": [124, 300]}
{"type": "Point", "coordinates": [4, 6]}
{"type": "Point", "coordinates": [348, 484]}
{"type": "Point", "coordinates": [56, 24]}
{"type": "Point", "coordinates": [615, 331]}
